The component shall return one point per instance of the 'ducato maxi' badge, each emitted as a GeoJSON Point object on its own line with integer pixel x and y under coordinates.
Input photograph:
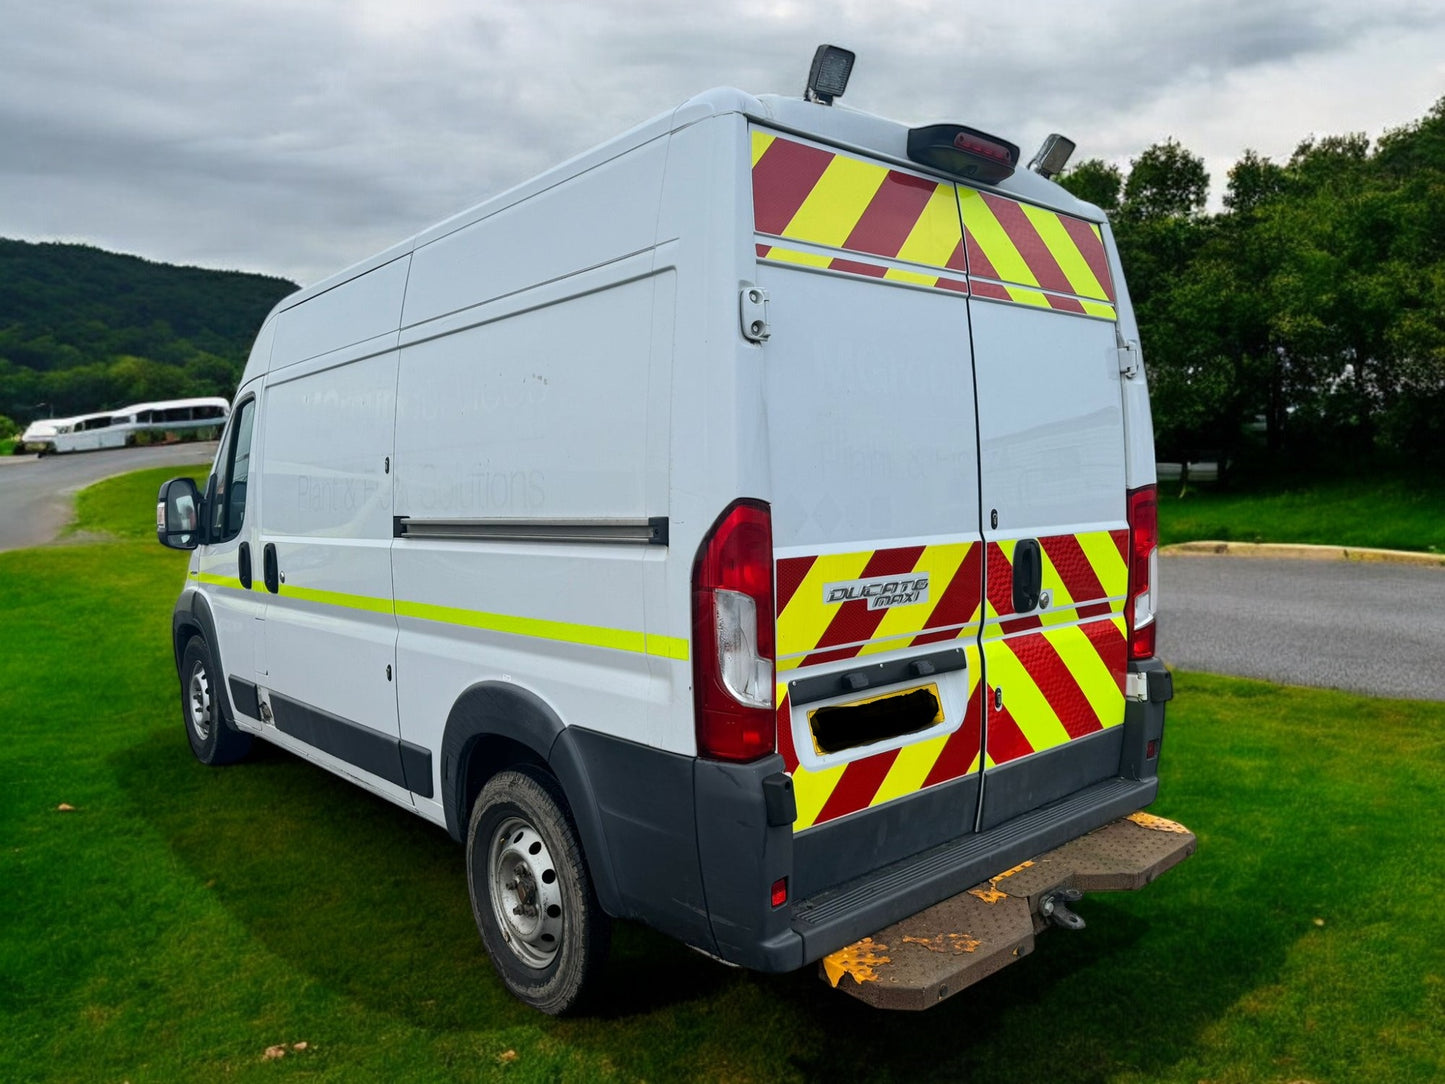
{"type": "Point", "coordinates": [880, 592]}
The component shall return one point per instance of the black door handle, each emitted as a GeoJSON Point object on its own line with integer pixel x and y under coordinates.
{"type": "Point", "coordinates": [1028, 575]}
{"type": "Point", "coordinates": [243, 565]}
{"type": "Point", "coordinates": [269, 568]}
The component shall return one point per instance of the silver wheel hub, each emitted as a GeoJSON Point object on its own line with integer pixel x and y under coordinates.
{"type": "Point", "coordinates": [526, 898]}
{"type": "Point", "coordinates": [198, 701]}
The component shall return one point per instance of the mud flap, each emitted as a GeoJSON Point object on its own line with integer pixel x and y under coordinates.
{"type": "Point", "coordinates": [916, 963]}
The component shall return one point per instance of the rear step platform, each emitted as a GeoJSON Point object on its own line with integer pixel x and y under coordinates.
{"type": "Point", "coordinates": [922, 960]}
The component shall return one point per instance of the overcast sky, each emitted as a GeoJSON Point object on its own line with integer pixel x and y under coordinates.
{"type": "Point", "coordinates": [295, 137]}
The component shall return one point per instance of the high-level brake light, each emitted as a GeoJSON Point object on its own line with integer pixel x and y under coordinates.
{"type": "Point", "coordinates": [1143, 599]}
{"type": "Point", "coordinates": [963, 152]}
{"type": "Point", "coordinates": [732, 633]}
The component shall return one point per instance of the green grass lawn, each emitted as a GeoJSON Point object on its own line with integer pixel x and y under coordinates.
{"type": "Point", "coordinates": [180, 920]}
{"type": "Point", "coordinates": [125, 507]}
{"type": "Point", "coordinates": [1391, 513]}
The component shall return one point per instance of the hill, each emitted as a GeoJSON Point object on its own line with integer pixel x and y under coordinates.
{"type": "Point", "coordinates": [82, 329]}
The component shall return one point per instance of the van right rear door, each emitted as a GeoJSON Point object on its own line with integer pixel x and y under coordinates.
{"type": "Point", "coordinates": [1051, 439]}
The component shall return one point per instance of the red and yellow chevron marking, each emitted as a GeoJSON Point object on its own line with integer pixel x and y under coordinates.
{"type": "Point", "coordinates": [808, 194]}
{"type": "Point", "coordinates": [1035, 257]}
{"type": "Point", "coordinates": [1062, 672]}
{"type": "Point", "coordinates": [829, 793]}
{"type": "Point", "coordinates": [1010, 251]}
{"type": "Point", "coordinates": [812, 630]}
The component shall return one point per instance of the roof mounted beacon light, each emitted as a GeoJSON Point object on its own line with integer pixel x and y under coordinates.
{"type": "Point", "coordinates": [962, 152]}
{"type": "Point", "coordinates": [1053, 156]}
{"type": "Point", "coordinates": [828, 77]}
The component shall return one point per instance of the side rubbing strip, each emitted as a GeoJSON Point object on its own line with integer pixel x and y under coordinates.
{"type": "Point", "coordinates": [243, 696]}
{"type": "Point", "coordinates": [370, 750]}
{"type": "Point", "coordinates": [643, 532]}
{"type": "Point", "coordinates": [416, 767]}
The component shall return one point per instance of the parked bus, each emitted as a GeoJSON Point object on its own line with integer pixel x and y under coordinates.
{"type": "Point", "coordinates": [116, 428]}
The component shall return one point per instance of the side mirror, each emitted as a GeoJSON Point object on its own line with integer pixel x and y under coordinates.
{"type": "Point", "coordinates": [178, 514]}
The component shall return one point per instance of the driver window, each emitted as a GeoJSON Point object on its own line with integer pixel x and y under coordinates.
{"type": "Point", "coordinates": [232, 469]}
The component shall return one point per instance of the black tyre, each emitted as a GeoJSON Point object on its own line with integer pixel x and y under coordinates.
{"type": "Point", "coordinates": [532, 897]}
{"type": "Point", "coordinates": [213, 739]}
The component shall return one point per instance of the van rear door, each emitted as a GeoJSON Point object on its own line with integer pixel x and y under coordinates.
{"type": "Point", "coordinates": [875, 503]}
{"type": "Point", "coordinates": [947, 454]}
{"type": "Point", "coordinates": [1051, 439]}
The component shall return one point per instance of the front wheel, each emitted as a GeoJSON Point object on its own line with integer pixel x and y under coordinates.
{"type": "Point", "coordinates": [532, 897]}
{"type": "Point", "coordinates": [213, 739]}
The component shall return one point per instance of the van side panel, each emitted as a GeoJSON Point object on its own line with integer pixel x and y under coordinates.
{"type": "Point", "coordinates": [483, 412]}
{"type": "Point", "coordinates": [1138, 417]}
{"type": "Point", "coordinates": [362, 308]}
{"type": "Point", "coordinates": [526, 406]}
{"type": "Point", "coordinates": [588, 220]}
{"type": "Point", "coordinates": [718, 449]}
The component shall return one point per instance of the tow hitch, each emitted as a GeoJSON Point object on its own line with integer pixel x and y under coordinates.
{"type": "Point", "coordinates": [1054, 907]}
{"type": "Point", "coordinates": [922, 960]}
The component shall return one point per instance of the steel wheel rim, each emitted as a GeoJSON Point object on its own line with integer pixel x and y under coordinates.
{"type": "Point", "coordinates": [526, 895]}
{"type": "Point", "coordinates": [198, 701]}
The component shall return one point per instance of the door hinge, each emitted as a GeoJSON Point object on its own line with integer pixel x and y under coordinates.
{"type": "Point", "coordinates": [1128, 355]}
{"type": "Point", "coordinates": [753, 311]}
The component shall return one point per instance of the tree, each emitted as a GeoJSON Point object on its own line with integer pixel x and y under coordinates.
{"type": "Point", "coordinates": [1095, 181]}
{"type": "Point", "coordinates": [1253, 180]}
{"type": "Point", "coordinates": [1166, 181]}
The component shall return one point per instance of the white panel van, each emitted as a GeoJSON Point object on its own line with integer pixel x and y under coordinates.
{"type": "Point", "coordinates": [746, 528]}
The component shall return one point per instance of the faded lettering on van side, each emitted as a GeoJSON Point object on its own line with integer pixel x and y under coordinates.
{"type": "Point", "coordinates": [478, 492]}
{"type": "Point", "coordinates": [344, 493]}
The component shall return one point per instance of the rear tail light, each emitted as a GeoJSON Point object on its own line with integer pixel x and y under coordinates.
{"type": "Point", "coordinates": [732, 632]}
{"type": "Point", "coordinates": [1143, 599]}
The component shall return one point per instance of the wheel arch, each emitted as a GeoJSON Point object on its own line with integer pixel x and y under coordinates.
{"type": "Point", "coordinates": [497, 725]}
{"type": "Point", "coordinates": [192, 617]}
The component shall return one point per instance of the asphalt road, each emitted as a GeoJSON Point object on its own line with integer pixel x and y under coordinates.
{"type": "Point", "coordinates": [1370, 628]}
{"type": "Point", "coordinates": [37, 495]}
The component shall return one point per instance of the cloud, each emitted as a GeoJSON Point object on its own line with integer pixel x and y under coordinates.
{"type": "Point", "coordinates": [297, 137]}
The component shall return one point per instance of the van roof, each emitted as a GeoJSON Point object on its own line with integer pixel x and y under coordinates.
{"type": "Point", "coordinates": [845, 127]}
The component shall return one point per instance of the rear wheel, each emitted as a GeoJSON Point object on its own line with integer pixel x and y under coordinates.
{"type": "Point", "coordinates": [213, 739]}
{"type": "Point", "coordinates": [532, 897]}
